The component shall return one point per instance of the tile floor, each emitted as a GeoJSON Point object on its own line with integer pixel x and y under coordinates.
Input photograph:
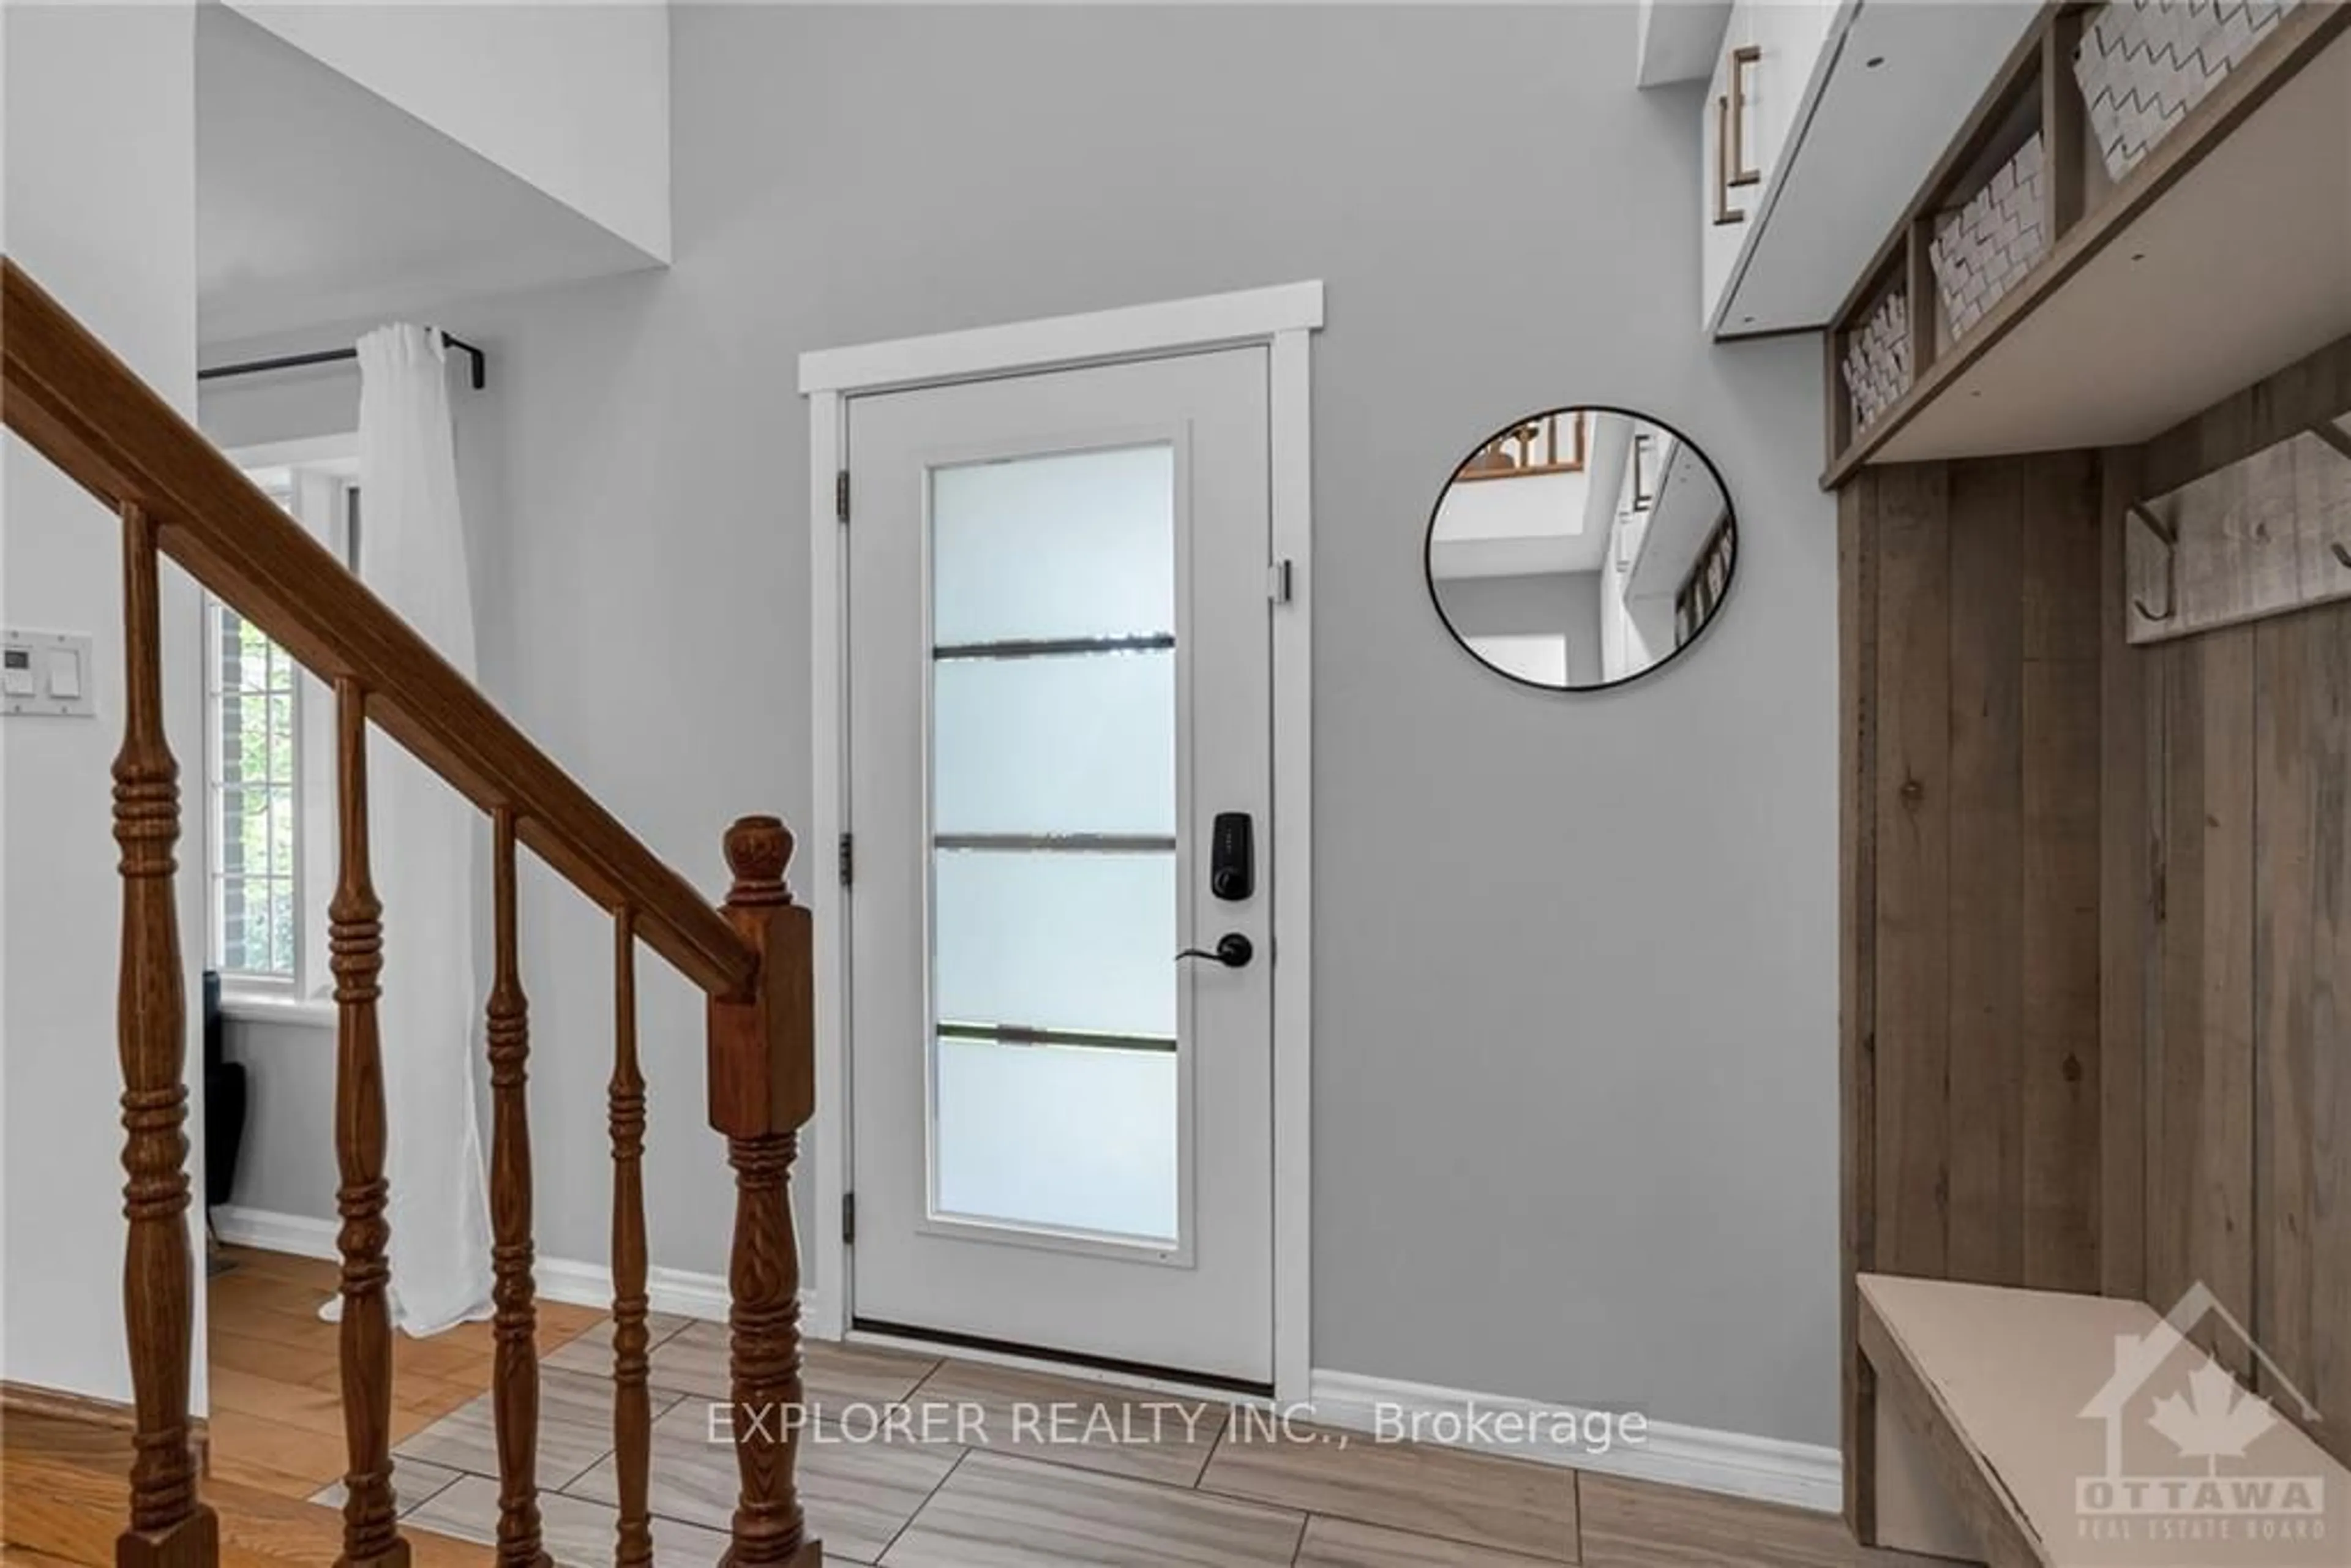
{"type": "Point", "coordinates": [1133, 1482]}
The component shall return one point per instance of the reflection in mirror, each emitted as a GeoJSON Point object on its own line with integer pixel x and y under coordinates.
{"type": "Point", "coordinates": [1581, 548]}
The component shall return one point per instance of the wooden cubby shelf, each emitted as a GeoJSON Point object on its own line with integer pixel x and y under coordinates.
{"type": "Point", "coordinates": [2221, 256]}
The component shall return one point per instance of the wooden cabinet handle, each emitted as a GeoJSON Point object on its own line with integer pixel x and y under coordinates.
{"type": "Point", "coordinates": [1742, 61]}
{"type": "Point", "coordinates": [1724, 213]}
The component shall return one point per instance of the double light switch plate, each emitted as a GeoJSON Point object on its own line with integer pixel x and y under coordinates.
{"type": "Point", "coordinates": [45, 673]}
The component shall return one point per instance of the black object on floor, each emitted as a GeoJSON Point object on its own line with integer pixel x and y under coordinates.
{"type": "Point", "coordinates": [225, 1103]}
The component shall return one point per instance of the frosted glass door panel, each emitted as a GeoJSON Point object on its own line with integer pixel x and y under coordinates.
{"type": "Point", "coordinates": [1057, 940]}
{"type": "Point", "coordinates": [1077, 744]}
{"type": "Point", "coordinates": [1064, 1137]}
{"type": "Point", "coordinates": [1052, 717]}
{"type": "Point", "coordinates": [1077, 545]}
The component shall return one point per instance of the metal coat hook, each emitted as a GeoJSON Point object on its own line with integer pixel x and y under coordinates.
{"type": "Point", "coordinates": [2340, 553]}
{"type": "Point", "coordinates": [2170, 542]}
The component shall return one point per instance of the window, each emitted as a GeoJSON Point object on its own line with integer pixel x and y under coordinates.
{"type": "Point", "coordinates": [269, 765]}
{"type": "Point", "coordinates": [254, 798]}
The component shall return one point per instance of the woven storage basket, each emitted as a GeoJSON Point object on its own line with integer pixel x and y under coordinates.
{"type": "Point", "coordinates": [1982, 250]}
{"type": "Point", "coordinates": [1877, 359]}
{"type": "Point", "coordinates": [2144, 64]}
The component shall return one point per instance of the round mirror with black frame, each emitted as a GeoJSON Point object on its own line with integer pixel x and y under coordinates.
{"type": "Point", "coordinates": [1582, 547]}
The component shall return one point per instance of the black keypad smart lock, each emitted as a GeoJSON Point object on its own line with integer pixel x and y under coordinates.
{"type": "Point", "coordinates": [1232, 857]}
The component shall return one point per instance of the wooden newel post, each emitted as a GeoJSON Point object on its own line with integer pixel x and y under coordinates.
{"type": "Point", "coordinates": [762, 1076]}
{"type": "Point", "coordinates": [169, 1528]}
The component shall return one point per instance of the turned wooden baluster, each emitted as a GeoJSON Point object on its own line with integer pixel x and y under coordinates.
{"type": "Point", "coordinates": [633, 1410]}
{"type": "Point", "coordinates": [762, 1089]}
{"type": "Point", "coordinates": [168, 1527]}
{"type": "Point", "coordinates": [355, 935]}
{"type": "Point", "coordinates": [514, 1320]}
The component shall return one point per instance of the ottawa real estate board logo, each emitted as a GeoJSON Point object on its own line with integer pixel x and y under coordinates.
{"type": "Point", "coordinates": [2198, 1470]}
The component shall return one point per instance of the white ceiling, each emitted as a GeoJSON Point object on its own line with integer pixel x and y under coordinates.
{"type": "Point", "coordinates": [319, 202]}
{"type": "Point", "coordinates": [1515, 527]}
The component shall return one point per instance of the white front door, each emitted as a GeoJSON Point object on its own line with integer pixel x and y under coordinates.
{"type": "Point", "coordinates": [1060, 710]}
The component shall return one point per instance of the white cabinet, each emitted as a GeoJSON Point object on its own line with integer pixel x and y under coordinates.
{"type": "Point", "coordinates": [1764, 74]}
{"type": "Point", "coordinates": [1843, 108]}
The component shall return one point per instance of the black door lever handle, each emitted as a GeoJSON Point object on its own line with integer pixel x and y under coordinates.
{"type": "Point", "coordinates": [1233, 950]}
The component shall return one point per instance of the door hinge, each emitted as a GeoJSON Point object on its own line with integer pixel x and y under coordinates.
{"type": "Point", "coordinates": [849, 1219]}
{"type": "Point", "coordinates": [848, 857]}
{"type": "Point", "coordinates": [840, 495]}
{"type": "Point", "coordinates": [1281, 581]}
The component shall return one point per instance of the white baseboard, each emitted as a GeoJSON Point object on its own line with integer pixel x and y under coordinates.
{"type": "Point", "coordinates": [680, 1291]}
{"type": "Point", "coordinates": [297, 1235]}
{"type": "Point", "coordinates": [1766, 1469]}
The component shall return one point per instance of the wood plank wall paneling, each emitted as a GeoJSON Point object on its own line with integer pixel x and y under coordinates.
{"type": "Point", "coordinates": [1985, 895]}
{"type": "Point", "coordinates": [1857, 978]}
{"type": "Point", "coordinates": [1972, 927]}
{"type": "Point", "coordinates": [1913, 941]}
{"type": "Point", "coordinates": [2302, 1027]}
{"type": "Point", "coordinates": [2199, 1062]}
{"type": "Point", "coordinates": [2130, 712]}
{"type": "Point", "coordinates": [2302, 1024]}
{"type": "Point", "coordinates": [1972, 684]}
{"type": "Point", "coordinates": [2096, 923]}
{"type": "Point", "coordinates": [2292, 657]}
{"type": "Point", "coordinates": [2063, 1069]}
{"type": "Point", "coordinates": [2247, 1034]}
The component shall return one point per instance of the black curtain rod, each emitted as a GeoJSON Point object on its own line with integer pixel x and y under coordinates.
{"type": "Point", "coordinates": [480, 376]}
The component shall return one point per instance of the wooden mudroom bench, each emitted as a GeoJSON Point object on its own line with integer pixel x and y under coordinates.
{"type": "Point", "coordinates": [2011, 1398]}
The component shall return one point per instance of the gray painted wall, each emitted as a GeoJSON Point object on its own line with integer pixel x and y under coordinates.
{"type": "Point", "coordinates": [286, 1160]}
{"type": "Point", "coordinates": [1566, 1147]}
{"type": "Point", "coordinates": [98, 197]}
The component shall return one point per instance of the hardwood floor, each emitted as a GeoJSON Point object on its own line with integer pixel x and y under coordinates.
{"type": "Point", "coordinates": [275, 1430]}
{"type": "Point", "coordinates": [63, 1500]}
{"type": "Point", "coordinates": [980, 1472]}
{"type": "Point", "coordinates": [276, 1422]}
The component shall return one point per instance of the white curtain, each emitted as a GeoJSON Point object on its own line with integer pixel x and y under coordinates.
{"type": "Point", "coordinates": [422, 844]}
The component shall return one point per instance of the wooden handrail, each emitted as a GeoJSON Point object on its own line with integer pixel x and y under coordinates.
{"type": "Point", "coordinates": [67, 393]}
{"type": "Point", "coordinates": [83, 409]}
